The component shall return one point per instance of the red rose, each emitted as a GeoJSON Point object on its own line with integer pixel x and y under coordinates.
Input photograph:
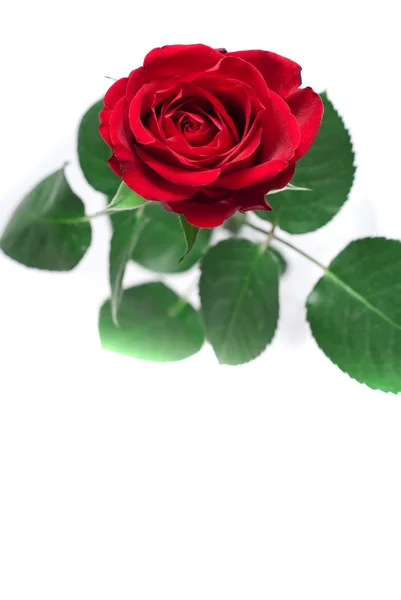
{"type": "Point", "coordinates": [206, 132]}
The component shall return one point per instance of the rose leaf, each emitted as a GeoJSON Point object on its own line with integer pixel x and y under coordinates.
{"type": "Point", "coordinates": [327, 171]}
{"type": "Point", "coordinates": [125, 199]}
{"type": "Point", "coordinates": [36, 235]}
{"type": "Point", "coordinates": [161, 244]}
{"type": "Point", "coordinates": [154, 324]}
{"type": "Point", "coordinates": [93, 153]}
{"type": "Point", "coordinates": [239, 299]}
{"type": "Point", "coordinates": [190, 233]}
{"type": "Point", "coordinates": [123, 241]}
{"type": "Point", "coordinates": [355, 312]}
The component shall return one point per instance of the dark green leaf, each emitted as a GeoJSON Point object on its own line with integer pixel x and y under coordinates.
{"type": "Point", "coordinates": [161, 243]}
{"type": "Point", "coordinates": [123, 241]}
{"type": "Point", "coordinates": [282, 263]}
{"type": "Point", "coordinates": [235, 223]}
{"type": "Point", "coordinates": [33, 236]}
{"type": "Point", "coordinates": [154, 324]}
{"type": "Point", "coordinates": [126, 199]}
{"type": "Point", "coordinates": [93, 153]}
{"type": "Point", "coordinates": [191, 233]}
{"type": "Point", "coordinates": [239, 297]}
{"type": "Point", "coordinates": [355, 312]}
{"type": "Point", "coordinates": [327, 169]}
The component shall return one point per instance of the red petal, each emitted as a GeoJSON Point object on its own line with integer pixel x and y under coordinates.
{"type": "Point", "coordinates": [114, 165]}
{"type": "Point", "coordinates": [281, 74]}
{"type": "Point", "coordinates": [170, 61]}
{"type": "Point", "coordinates": [104, 132]}
{"type": "Point", "coordinates": [104, 118]}
{"type": "Point", "coordinates": [253, 198]}
{"type": "Point", "coordinates": [139, 107]}
{"type": "Point", "coordinates": [204, 215]}
{"type": "Point", "coordinates": [252, 176]}
{"type": "Point", "coordinates": [148, 184]}
{"type": "Point", "coordinates": [176, 175]}
{"type": "Point", "coordinates": [115, 92]}
{"type": "Point", "coordinates": [137, 78]}
{"type": "Point", "coordinates": [307, 107]}
{"type": "Point", "coordinates": [118, 132]}
{"type": "Point", "coordinates": [233, 67]}
{"type": "Point", "coordinates": [281, 131]}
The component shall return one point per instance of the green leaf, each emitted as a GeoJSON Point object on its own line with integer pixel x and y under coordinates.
{"type": "Point", "coordinates": [123, 241]}
{"type": "Point", "coordinates": [161, 243]}
{"type": "Point", "coordinates": [154, 324]}
{"type": "Point", "coordinates": [126, 199]}
{"type": "Point", "coordinates": [191, 233]}
{"type": "Point", "coordinates": [235, 223]}
{"type": "Point", "coordinates": [93, 153]}
{"type": "Point", "coordinates": [281, 262]}
{"type": "Point", "coordinates": [33, 236]}
{"type": "Point", "coordinates": [327, 169]}
{"type": "Point", "coordinates": [355, 312]}
{"type": "Point", "coordinates": [239, 298]}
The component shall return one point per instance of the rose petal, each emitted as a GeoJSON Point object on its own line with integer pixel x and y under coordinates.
{"type": "Point", "coordinates": [253, 198]}
{"type": "Point", "coordinates": [178, 176]}
{"type": "Point", "coordinates": [114, 164]}
{"type": "Point", "coordinates": [252, 175]}
{"type": "Point", "coordinates": [148, 184]}
{"type": "Point", "coordinates": [170, 61]}
{"type": "Point", "coordinates": [237, 69]}
{"type": "Point", "coordinates": [281, 131]}
{"type": "Point", "coordinates": [121, 143]}
{"type": "Point", "coordinates": [137, 78]}
{"type": "Point", "coordinates": [115, 92]}
{"type": "Point", "coordinates": [204, 215]}
{"type": "Point", "coordinates": [281, 74]}
{"type": "Point", "coordinates": [307, 107]}
{"type": "Point", "coordinates": [138, 108]}
{"type": "Point", "coordinates": [104, 118]}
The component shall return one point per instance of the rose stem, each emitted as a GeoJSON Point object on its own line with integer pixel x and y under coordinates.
{"type": "Point", "coordinates": [271, 234]}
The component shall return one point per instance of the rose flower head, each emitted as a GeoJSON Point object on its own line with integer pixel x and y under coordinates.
{"type": "Point", "coordinates": [207, 132]}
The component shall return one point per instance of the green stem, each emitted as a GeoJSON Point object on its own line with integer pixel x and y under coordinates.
{"type": "Point", "coordinates": [86, 218]}
{"type": "Point", "coordinates": [271, 234]}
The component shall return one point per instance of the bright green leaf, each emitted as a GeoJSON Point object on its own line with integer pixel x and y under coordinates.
{"type": "Point", "coordinates": [327, 169]}
{"type": "Point", "coordinates": [126, 199]}
{"type": "Point", "coordinates": [33, 236]}
{"type": "Point", "coordinates": [154, 324]}
{"type": "Point", "coordinates": [355, 312]}
{"type": "Point", "coordinates": [93, 153]}
{"type": "Point", "coordinates": [239, 298]}
{"type": "Point", "coordinates": [191, 233]}
{"type": "Point", "coordinates": [123, 241]}
{"type": "Point", "coordinates": [161, 243]}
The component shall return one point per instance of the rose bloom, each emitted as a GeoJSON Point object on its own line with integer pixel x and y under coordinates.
{"type": "Point", "coordinates": [207, 132]}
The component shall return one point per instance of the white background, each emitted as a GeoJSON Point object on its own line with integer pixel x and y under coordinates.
{"type": "Point", "coordinates": [126, 480]}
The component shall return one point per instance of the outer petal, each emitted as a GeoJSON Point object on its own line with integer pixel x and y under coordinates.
{"type": "Point", "coordinates": [253, 198]}
{"type": "Point", "coordinates": [204, 215]}
{"type": "Point", "coordinates": [233, 67]}
{"type": "Point", "coordinates": [281, 131]}
{"type": "Point", "coordinates": [119, 132]}
{"type": "Point", "coordinates": [136, 79]}
{"type": "Point", "coordinates": [148, 184]}
{"type": "Point", "coordinates": [170, 61]}
{"type": "Point", "coordinates": [281, 74]}
{"type": "Point", "coordinates": [104, 118]}
{"type": "Point", "coordinates": [178, 176]}
{"type": "Point", "coordinates": [115, 92]}
{"type": "Point", "coordinates": [252, 176]}
{"type": "Point", "coordinates": [307, 107]}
